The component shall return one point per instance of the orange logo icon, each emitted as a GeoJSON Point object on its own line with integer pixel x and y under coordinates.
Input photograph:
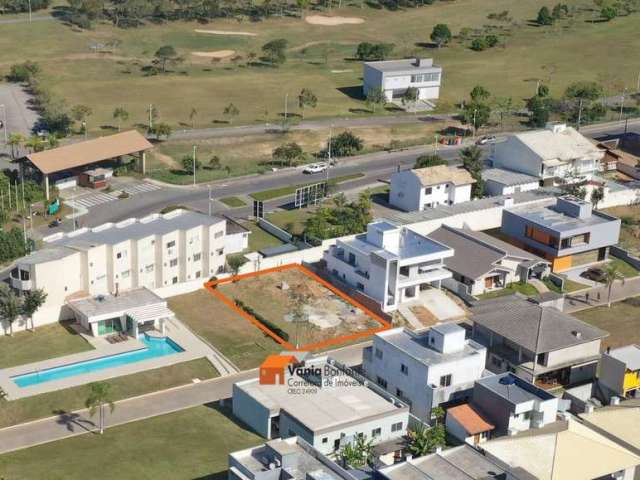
{"type": "Point", "coordinates": [272, 370]}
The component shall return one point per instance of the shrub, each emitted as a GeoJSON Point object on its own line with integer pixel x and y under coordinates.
{"type": "Point", "coordinates": [267, 323]}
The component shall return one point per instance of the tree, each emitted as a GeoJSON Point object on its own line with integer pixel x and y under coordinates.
{"type": "Point", "coordinates": [231, 111]}
{"type": "Point", "coordinates": [611, 275]}
{"type": "Point", "coordinates": [479, 94]}
{"type": "Point", "coordinates": [31, 303]}
{"type": "Point", "coordinates": [504, 106]}
{"type": "Point", "coordinates": [479, 44]}
{"type": "Point", "coordinates": [375, 98]}
{"type": "Point", "coordinates": [307, 99]}
{"type": "Point", "coordinates": [187, 164]}
{"type": "Point", "coordinates": [367, 51]}
{"type": "Point", "coordinates": [608, 13]}
{"type": "Point", "coordinates": [163, 130]}
{"type": "Point", "coordinates": [303, 5]}
{"type": "Point", "coordinates": [423, 440]}
{"type": "Point", "coordinates": [357, 453]}
{"type": "Point", "coordinates": [80, 113]}
{"type": "Point", "coordinates": [165, 56]}
{"type": "Point", "coordinates": [429, 160]}
{"type": "Point", "coordinates": [476, 114]}
{"type": "Point", "coordinates": [192, 116]}
{"type": "Point", "coordinates": [345, 144]}
{"type": "Point", "coordinates": [560, 10]}
{"type": "Point", "coordinates": [275, 51]}
{"type": "Point", "coordinates": [544, 17]}
{"type": "Point", "coordinates": [214, 163]}
{"type": "Point", "coordinates": [235, 262]}
{"type": "Point", "coordinates": [597, 195]}
{"type": "Point", "coordinates": [288, 154]}
{"type": "Point", "coordinates": [10, 305]}
{"type": "Point", "coordinates": [120, 115]}
{"type": "Point", "coordinates": [584, 90]}
{"type": "Point", "coordinates": [35, 143]}
{"type": "Point", "coordinates": [99, 396]}
{"type": "Point", "coordinates": [472, 162]}
{"type": "Point", "coordinates": [15, 140]}
{"type": "Point", "coordinates": [441, 35]}
{"type": "Point", "coordinates": [23, 72]}
{"type": "Point", "coordinates": [540, 111]}
{"type": "Point", "coordinates": [410, 96]}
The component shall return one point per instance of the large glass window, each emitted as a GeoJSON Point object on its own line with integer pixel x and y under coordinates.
{"type": "Point", "coordinates": [109, 325]}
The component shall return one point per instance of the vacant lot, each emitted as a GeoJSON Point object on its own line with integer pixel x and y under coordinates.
{"type": "Point", "coordinates": [622, 321]}
{"type": "Point", "coordinates": [319, 58]}
{"type": "Point", "coordinates": [49, 341]}
{"type": "Point", "coordinates": [55, 403]}
{"type": "Point", "coordinates": [191, 444]}
{"type": "Point", "coordinates": [630, 231]}
{"type": "Point", "coordinates": [234, 336]}
{"type": "Point", "coordinates": [277, 295]}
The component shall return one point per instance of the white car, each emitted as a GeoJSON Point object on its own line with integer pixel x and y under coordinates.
{"type": "Point", "coordinates": [315, 168]}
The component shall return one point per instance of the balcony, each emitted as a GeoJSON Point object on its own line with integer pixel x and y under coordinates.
{"type": "Point", "coordinates": [340, 256]}
{"type": "Point", "coordinates": [423, 277]}
{"type": "Point", "coordinates": [20, 279]}
{"type": "Point", "coordinates": [362, 273]}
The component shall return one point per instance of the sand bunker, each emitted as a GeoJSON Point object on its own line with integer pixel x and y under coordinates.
{"type": "Point", "coordinates": [341, 71]}
{"type": "Point", "coordinates": [333, 21]}
{"type": "Point", "coordinates": [224, 32]}
{"type": "Point", "coordinates": [215, 54]}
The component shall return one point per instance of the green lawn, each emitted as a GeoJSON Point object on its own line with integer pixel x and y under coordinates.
{"type": "Point", "coordinates": [523, 288]}
{"type": "Point", "coordinates": [233, 202]}
{"type": "Point", "coordinates": [623, 267]}
{"type": "Point", "coordinates": [52, 403]}
{"type": "Point", "coordinates": [234, 336]}
{"type": "Point", "coordinates": [622, 321]}
{"type": "Point", "coordinates": [186, 445]}
{"type": "Point", "coordinates": [48, 341]}
{"type": "Point", "coordinates": [568, 287]}
{"type": "Point", "coordinates": [290, 190]}
{"type": "Point", "coordinates": [291, 220]}
{"type": "Point", "coordinates": [259, 238]}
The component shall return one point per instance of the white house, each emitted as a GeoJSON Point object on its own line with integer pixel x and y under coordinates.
{"type": "Point", "coordinates": [557, 151]}
{"type": "Point", "coordinates": [322, 403]}
{"type": "Point", "coordinates": [425, 369]}
{"type": "Point", "coordinates": [500, 181]}
{"type": "Point", "coordinates": [390, 264]}
{"type": "Point", "coordinates": [152, 252]}
{"type": "Point", "coordinates": [417, 189]}
{"type": "Point", "coordinates": [394, 77]}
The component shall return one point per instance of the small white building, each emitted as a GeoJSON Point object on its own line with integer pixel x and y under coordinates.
{"type": "Point", "coordinates": [394, 77]}
{"type": "Point", "coordinates": [500, 181]}
{"type": "Point", "coordinates": [425, 369]}
{"type": "Point", "coordinates": [417, 189]}
{"type": "Point", "coordinates": [390, 264]}
{"type": "Point", "coordinates": [557, 151]}
{"type": "Point", "coordinates": [322, 403]}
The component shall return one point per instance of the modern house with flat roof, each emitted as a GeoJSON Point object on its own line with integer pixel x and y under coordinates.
{"type": "Point", "coordinates": [483, 263]}
{"type": "Point", "coordinates": [390, 264]}
{"type": "Point", "coordinates": [540, 344]}
{"type": "Point", "coordinates": [152, 252]}
{"type": "Point", "coordinates": [618, 423]}
{"type": "Point", "coordinates": [425, 369]}
{"type": "Point", "coordinates": [420, 188]}
{"type": "Point", "coordinates": [568, 233]}
{"type": "Point", "coordinates": [620, 372]}
{"type": "Point", "coordinates": [394, 77]}
{"type": "Point", "coordinates": [322, 402]}
{"type": "Point", "coordinates": [284, 459]}
{"type": "Point", "coordinates": [501, 181]}
{"type": "Point", "coordinates": [556, 152]}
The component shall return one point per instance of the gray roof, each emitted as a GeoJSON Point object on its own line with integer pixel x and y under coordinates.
{"type": "Point", "coordinates": [108, 304]}
{"type": "Point", "coordinates": [507, 177]}
{"type": "Point", "coordinates": [476, 253]}
{"type": "Point", "coordinates": [536, 328]}
{"type": "Point", "coordinates": [513, 388]}
{"type": "Point", "coordinates": [550, 217]}
{"type": "Point", "coordinates": [234, 227]}
{"type": "Point", "coordinates": [135, 229]}
{"type": "Point", "coordinates": [629, 355]}
{"type": "Point", "coordinates": [406, 65]}
{"type": "Point", "coordinates": [45, 255]}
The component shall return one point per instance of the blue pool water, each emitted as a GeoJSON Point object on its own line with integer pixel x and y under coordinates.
{"type": "Point", "coordinates": [154, 347]}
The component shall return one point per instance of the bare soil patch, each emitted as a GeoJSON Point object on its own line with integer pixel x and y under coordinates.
{"type": "Point", "coordinates": [333, 21]}
{"type": "Point", "coordinates": [215, 54]}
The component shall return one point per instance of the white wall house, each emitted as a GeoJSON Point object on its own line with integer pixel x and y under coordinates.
{"type": "Point", "coordinates": [394, 77]}
{"type": "Point", "coordinates": [499, 181]}
{"type": "Point", "coordinates": [390, 264]}
{"type": "Point", "coordinates": [557, 151]}
{"type": "Point", "coordinates": [152, 252]}
{"type": "Point", "coordinates": [417, 189]}
{"type": "Point", "coordinates": [425, 369]}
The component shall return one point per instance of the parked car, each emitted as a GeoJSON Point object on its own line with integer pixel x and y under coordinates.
{"type": "Point", "coordinates": [595, 274]}
{"type": "Point", "coordinates": [315, 168]}
{"type": "Point", "coordinates": [486, 140]}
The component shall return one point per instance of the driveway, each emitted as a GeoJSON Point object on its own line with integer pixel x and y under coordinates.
{"type": "Point", "coordinates": [574, 274]}
{"type": "Point", "coordinates": [438, 303]}
{"type": "Point", "coordinates": [17, 115]}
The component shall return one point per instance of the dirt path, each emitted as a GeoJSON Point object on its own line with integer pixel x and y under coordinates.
{"type": "Point", "coordinates": [224, 32]}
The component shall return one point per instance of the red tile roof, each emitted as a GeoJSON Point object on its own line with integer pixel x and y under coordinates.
{"type": "Point", "coordinates": [469, 418]}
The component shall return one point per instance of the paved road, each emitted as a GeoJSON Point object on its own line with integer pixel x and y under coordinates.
{"type": "Point", "coordinates": [70, 424]}
{"type": "Point", "coordinates": [16, 116]}
{"type": "Point", "coordinates": [597, 296]}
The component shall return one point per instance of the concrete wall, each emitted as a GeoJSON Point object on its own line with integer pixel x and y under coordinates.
{"type": "Point", "coordinates": [512, 154]}
{"type": "Point", "coordinates": [251, 412]}
{"type": "Point", "coordinates": [493, 188]}
{"type": "Point", "coordinates": [612, 373]}
{"type": "Point", "coordinates": [575, 353]}
{"type": "Point", "coordinates": [405, 192]}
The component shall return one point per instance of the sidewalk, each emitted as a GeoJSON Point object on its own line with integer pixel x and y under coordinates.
{"type": "Point", "coordinates": [597, 296]}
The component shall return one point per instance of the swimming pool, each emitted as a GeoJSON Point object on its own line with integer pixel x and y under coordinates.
{"type": "Point", "coordinates": [154, 347]}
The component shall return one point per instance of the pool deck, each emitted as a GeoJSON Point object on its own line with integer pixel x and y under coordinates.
{"type": "Point", "coordinates": [194, 348]}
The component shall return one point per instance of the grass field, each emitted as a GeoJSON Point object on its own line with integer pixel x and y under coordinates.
{"type": "Point", "coordinates": [104, 81]}
{"type": "Point", "coordinates": [523, 288]}
{"type": "Point", "coordinates": [259, 238]}
{"type": "Point", "coordinates": [234, 336]}
{"type": "Point", "coordinates": [290, 190]}
{"type": "Point", "coordinates": [53, 403]}
{"type": "Point", "coordinates": [630, 230]}
{"type": "Point", "coordinates": [49, 341]}
{"type": "Point", "coordinates": [190, 444]}
{"type": "Point", "coordinates": [233, 202]}
{"type": "Point", "coordinates": [622, 321]}
{"type": "Point", "coordinates": [291, 220]}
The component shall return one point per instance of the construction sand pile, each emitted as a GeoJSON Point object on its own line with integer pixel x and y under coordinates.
{"type": "Point", "coordinates": [333, 21]}
{"type": "Point", "coordinates": [225, 32]}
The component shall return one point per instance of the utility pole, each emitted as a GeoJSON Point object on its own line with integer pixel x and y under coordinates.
{"type": "Point", "coordinates": [624, 93]}
{"type": "Point", "coordinates": [73, 213]}
{"type": "Point", "coordinates": [475, 128]}
{"type": "Point", "coordinates": [209, 200]}
{"type": "Point", "coordinates": [29, 11]}
{"type": "Point", "coordinates": [151, 116]}
{"type": "Point", "coordinates": [579, 114]}
{"type": "Point", "coordinates": [194, 165]}
{"type": "Point", "coordinates": [638, 83]}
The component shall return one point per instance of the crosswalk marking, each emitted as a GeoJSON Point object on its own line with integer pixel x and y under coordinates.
{"type": "Point", "coordinates": [98, 198]}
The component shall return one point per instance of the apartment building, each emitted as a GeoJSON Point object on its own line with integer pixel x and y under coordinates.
{"type": "Point", "coordinates": [390, 264]}
{"type": "Point", "coordinates": [425, 369]}
{"type": "Point", "coordinates": [394, 77]}
{"type": "Point", "coordinates": [568, 233]}
{"type": "Point", "coordinates": [420, 188]}
{"type": "Point", "coordinates": [155, 251]}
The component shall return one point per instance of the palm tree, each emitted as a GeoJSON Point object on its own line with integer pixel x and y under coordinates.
{"type": "Point", "coordinates": [32, 302]}
{"type": "Point", "coordinates": [121, 115]}
{"type": "Point", "coordinates": [35, 143]}
{"type": "Point", "coordinates": [611, 275]}
{"type": "Point", "coordinates": [10, 305]}
{"type": "Point", "coordinates": [14, 141]}
{"type": "Point", "coordinates": [99, 396]}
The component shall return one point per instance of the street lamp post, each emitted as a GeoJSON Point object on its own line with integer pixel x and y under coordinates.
{"type": "Point", "coordinates": [624, 93]}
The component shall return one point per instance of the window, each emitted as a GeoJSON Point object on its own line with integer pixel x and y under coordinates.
{"type": "Point", "coordinates": [404, 369]}
{"type": "Point", "coordinates": [399, 393]}
{"type": "Point", "coordinates": [174, 280]}
{"type": "Point", "coordinates": [220, 251]}
{"type": "Point", "coordinates": [171, 244]}
{"type": "Point", "coordinates": [526, 416]}
{"type": "Point", "coordinates": [125, 274]}
{"type": "Point", "coordinates": [218, 234]}
{"type": "Point", "coordinates": [445, 380]}
{"type": "Point", "coordinates": [198, 273]}
{"type": "Point", "coordinates": [325, 440]}
{"type": "Point", "coordinates": [382, 382]}
{"type": "Point", "coordinates": [197, 257]}
{"type": "Point", "coordinates": [149, 268]}
{"type": "Point", "coordinates": [378, 353]}
{"type": "Point", "coordinates": [496, 362]}
{"type": "Point", "coordinates": [428, 190]}
{"type": "Point", "coordinates": [360, 286]}
{"type": "Point", "coordinates": [173, 262]}
{"type": "Point", "coordinates": [376, 432]}
{"type": "Point", "coordinates": [396, 427]}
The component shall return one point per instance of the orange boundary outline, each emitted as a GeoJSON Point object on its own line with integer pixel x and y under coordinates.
{"type": "Point", "coordinates": [211, 287]}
